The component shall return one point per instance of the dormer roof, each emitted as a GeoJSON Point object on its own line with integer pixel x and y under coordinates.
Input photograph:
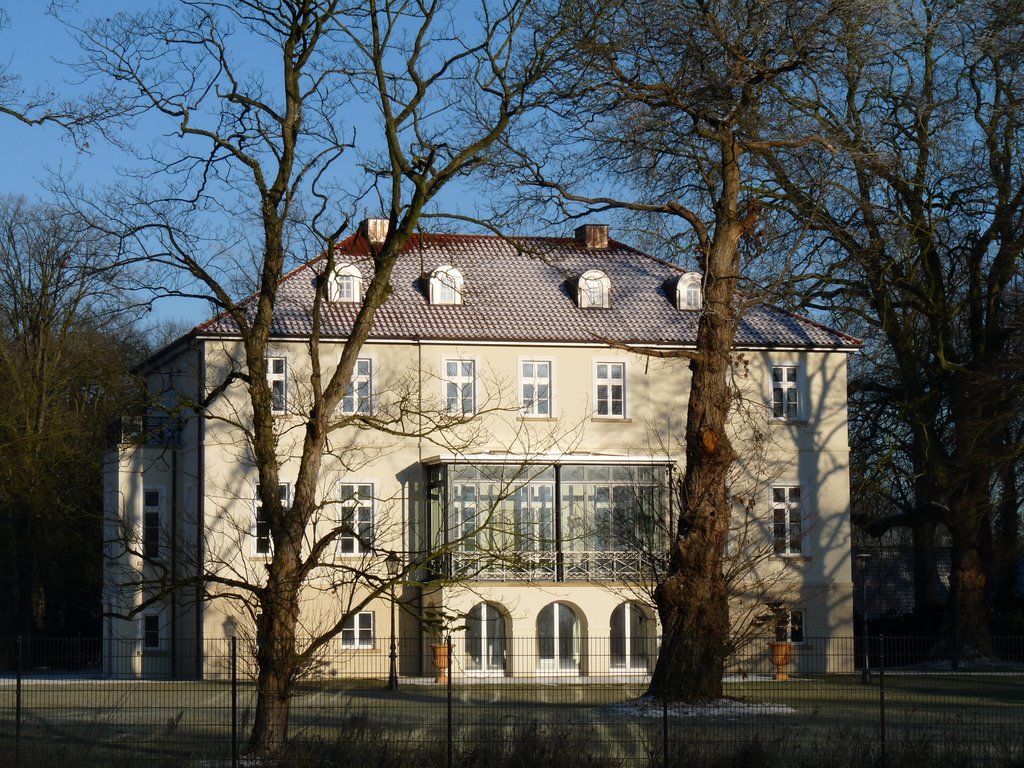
{"type": "Point", "coordinates": [522, 290]}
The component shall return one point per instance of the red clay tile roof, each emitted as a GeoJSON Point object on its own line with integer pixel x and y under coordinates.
{"type": "Point", "coordinates": [524, 290]}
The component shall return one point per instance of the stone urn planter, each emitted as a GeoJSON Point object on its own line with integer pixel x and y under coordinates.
{"type": "Point", "coordinates": [782, 653]}
{"type": "Point", "coordinates": [440, 662]}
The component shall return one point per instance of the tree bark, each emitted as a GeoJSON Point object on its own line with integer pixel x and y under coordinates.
{"type": "Point", "coordinates": [692, 600]}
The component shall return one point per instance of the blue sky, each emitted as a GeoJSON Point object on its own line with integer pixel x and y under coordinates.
{"type": "Point", "coordinates": [37, 48]}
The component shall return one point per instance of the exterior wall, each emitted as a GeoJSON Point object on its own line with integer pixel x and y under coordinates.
{"type": "Point", "coordinates": [216, 486]}
{"type": "Point", "coordinates": [160, 455]}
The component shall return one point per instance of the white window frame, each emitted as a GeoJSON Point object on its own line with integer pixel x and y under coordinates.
{"type": "Point", "coordinates": [631, 662]}
{"type": "Point", "coordinates": [346, 286]}
{"type": "Point", "coordinates": [460, 380]}
{"type": "Point", "coordinates": [284, 493]}
{"type": "Point", "coordinates": [530, 408]}
{"type": "Point", "coordinates": [554, 664]}
{"type": "Point", "coordinates": [354, 403]}
{"type": "Point", "coordinates": [785, 388]}
{"type": "Point", "coordinates": [357, 498]}
{"type": "Point", "coordinates": [446, 286]}
{"type": "Point", "coordinates": [685, 287]}
{"type": "Point", "coordinates": [152, 523]}
{"type": "Point", "coordinates": [278, 377]}
{"type": "Point", "coordinates": [488, 643]}
{"type": "Point", "coordinates": [587, 287]}
{"type": "Point", "coordinates": [354, 627]}
{"type": "Point", "coordinates": [785, 621]}
{"type": "Point", "coordinates": [144, 627]}
{"type": "Point", "coordinates": [787, 542]}
{"type": "Point", "coordinates": [608, 381]}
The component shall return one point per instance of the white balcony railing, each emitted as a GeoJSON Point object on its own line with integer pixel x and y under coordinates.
{"type": "Point", "coordinates": [543, 566]}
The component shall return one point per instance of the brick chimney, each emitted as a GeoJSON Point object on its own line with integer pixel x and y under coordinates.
{"type": "Point", "coordinates": [374, 230]}
{"type": "Point", "coordinates": [592, 236]}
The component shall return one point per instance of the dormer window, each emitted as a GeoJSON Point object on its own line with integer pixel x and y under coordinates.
{"type": "Point", "coordinates": [446, 286]}
{"type": "Point", "coordinates": [689, 294]}
{"type": "Point", "coordinates": [594, 290]}
{"type": "Point", "coordinates": [347, 285]}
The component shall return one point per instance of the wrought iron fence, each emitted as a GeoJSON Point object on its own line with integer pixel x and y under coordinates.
{"type": "Point", "coordinates": [535, 701]}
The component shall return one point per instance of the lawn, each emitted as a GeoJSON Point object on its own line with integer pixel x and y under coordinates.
{"type": "Point", "coordinates": [811, 720]}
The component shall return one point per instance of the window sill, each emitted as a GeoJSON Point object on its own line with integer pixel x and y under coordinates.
{"type": "Point", "coordinates": [536, 418]}
{"type": "Point", "coordinates": [793, 558]}
{"type": "Point", "coordinates": [611, 420]}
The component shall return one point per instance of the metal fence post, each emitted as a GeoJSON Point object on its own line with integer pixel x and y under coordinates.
{"type": "Point", "coordinates": [17, 707]}
{"type": "Point", "coordinates": [664, 728]}
{"type": "Point", "coordinates": [881, 693]}
{"type": "Point", "coordinates": [234, 702]}
{"type": "Point", "coordinates": [451, 755]}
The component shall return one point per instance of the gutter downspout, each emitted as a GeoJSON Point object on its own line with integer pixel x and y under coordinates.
{"type": "Point", "coordinates": [200, 506]}
{"type": "Point", "coordinates": [174, 562]}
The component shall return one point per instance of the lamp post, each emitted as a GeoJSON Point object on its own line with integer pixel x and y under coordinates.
{"type": "Point", "coordinates": [862, 563]}
{"type": "Point", "coordinates": [394, 566]}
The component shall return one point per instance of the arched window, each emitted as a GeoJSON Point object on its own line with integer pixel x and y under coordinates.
{"type": "Point", "coordinates": [689, 294]}
{"type": "Point", "coordinates": [632, 638]}
{"type": "Point", "coordinates": [594, 289]}
{"type": "Point", "coordinates": [347, 285]}
{"type": "Point", "coordinates": [485, 639]}
{"type": "Point", "coordinates": [558, 638]}
{"type": "Point", "coordinates": [446, 285]}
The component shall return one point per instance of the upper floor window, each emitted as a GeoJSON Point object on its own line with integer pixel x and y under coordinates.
{"type": "Point", "coordinates": [787, 522]}
{"type": "Point", "coordinates": [277, 380]}
{"type": "Point", "coordinates": [446, 286]}
{"type": "Point", "coordinates": [610, 389]}
{"type": "Point", "coordinates": [594, 289]}
{"type": "Point", "coordinates": [689, 294]}
{"type": "Point", "coordinates": [151, 523]}
{"type": "Point", "coordinates": [358, 398]}
{"type": "Point", "coordinates": [535, 387]}
{"type": "Point", "coordinates": [357, 517]}
{"type": "Point", "coordinates": [347, 285]}
{"type": "Point", "coordinates": [785, 392]}
{"type": "Point", "coordinates": [460, 387]}
{"type": "Point", "coordinates": [262, 540]}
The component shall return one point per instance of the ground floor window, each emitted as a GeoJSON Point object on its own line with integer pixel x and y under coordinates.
{"type": "Point", "coordinates": [558, 638]}
{"type": "Point", "coordinates": [357, 631]}
{"type": "Point", "coordinates": [631, 637]}
{"type": "Point", "coordinates": [485, 639]}
{"type": "Point", "coordinates": [151, 631]}
{"type": "Point", "coordinates": [789, 626]}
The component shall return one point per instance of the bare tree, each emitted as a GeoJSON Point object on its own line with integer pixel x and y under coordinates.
{"type": "Point", "coordinates": [670, 100]}
{"type": "Point", "coordinates": [919, 214]}
{"type": "Point", "coordinates": [265, 149]}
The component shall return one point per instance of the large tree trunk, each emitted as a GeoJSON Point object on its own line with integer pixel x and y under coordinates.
{"type": "Point", "coordinates": [276, 660]}
{"type": "Point", "coordinates": [1003, 585]}
{"type": "Point", "coordinates": [927, 606]}
{"type": "Point", "coordinates": [692, 600]}
{"type": "Point", "coordinates": [967, 617]}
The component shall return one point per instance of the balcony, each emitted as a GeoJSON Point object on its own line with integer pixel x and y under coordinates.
{"type": "Point", "coordinates": [545, 566]}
